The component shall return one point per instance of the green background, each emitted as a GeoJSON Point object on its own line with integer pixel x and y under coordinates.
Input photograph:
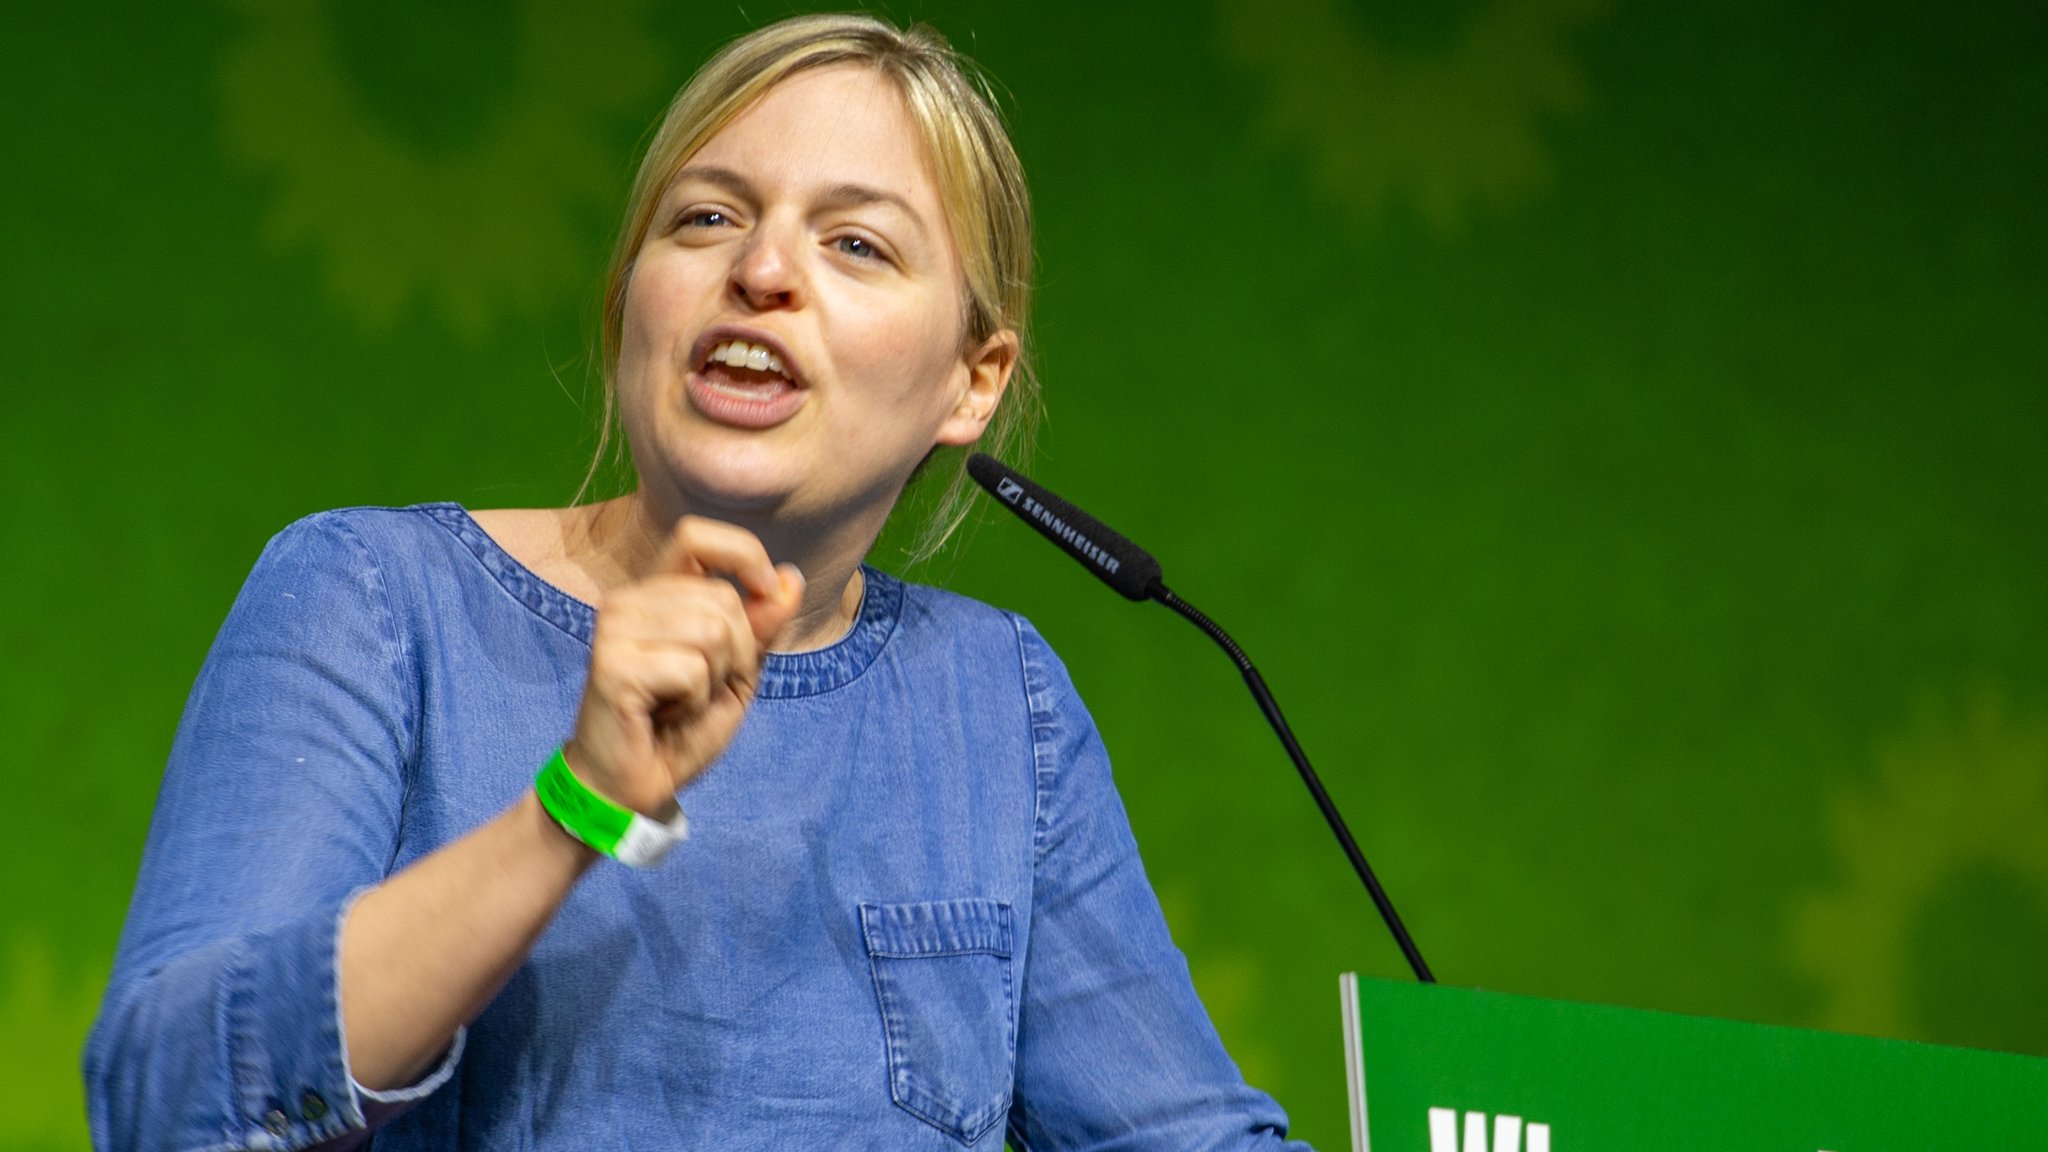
{"type": "Point", "coordinates": [1616, 429]}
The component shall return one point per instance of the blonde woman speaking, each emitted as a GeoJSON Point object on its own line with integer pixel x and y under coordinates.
{"type": "Point", "coordinates": [664, 823]}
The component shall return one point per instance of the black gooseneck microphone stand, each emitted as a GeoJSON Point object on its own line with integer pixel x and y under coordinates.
{"type": "Point", "coordinates": [1136, 575]}
{"type": "Point", "coordinates": [1327, 806]}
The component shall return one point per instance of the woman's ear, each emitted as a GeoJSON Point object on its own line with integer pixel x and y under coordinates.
{"type": "Point", "coordinates": [988, 374]}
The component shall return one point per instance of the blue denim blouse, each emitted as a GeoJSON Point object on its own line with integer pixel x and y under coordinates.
{"type": "Point", "coordinates": [910, 913]}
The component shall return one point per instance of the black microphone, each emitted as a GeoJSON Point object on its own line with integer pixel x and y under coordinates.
{"type": "Point", "coordinates": [1133, 572]}
{"type": "Point", "coordinates": [1122, 565]}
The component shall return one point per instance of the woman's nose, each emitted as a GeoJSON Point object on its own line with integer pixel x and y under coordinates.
{"type": "Point", "coordinates": [766, 276]}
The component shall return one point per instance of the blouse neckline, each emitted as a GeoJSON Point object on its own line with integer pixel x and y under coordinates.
{"type": "Point", "coordinates": [783, 674]}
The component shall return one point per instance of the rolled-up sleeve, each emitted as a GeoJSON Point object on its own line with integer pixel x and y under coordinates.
{"type": "Point", "coordinates": [1114, 1048]}
{"type": "Point", "coordinates": [221, 1025]}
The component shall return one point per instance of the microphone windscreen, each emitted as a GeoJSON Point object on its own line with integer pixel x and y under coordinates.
{"type": "Point", "coordinates": [1121, 564]}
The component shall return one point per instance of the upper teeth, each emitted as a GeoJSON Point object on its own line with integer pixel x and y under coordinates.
{"type": "Point", "coordinates": [741, 354]}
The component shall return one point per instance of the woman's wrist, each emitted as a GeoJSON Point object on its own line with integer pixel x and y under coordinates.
{"type": "Point", "coordinates": [554, 840]}
{"type": "Point", "coordinates": [611, 828]}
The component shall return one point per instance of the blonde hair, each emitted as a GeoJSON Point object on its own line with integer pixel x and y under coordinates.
{"type": "Point", "coordinates": [980, 183]}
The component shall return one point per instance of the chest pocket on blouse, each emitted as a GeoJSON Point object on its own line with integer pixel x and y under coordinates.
{"type": "Point", "coordinates": [945, 984]}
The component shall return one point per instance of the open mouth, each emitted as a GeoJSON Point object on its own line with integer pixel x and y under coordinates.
{"type": "Point", "coordinates": [746, 369]}
{"type": "Point", "coordinates": [745, 384]}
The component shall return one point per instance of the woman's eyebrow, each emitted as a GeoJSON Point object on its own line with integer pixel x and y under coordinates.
{"type": "Point", "coordinates": [725, 178]}
{"type": "Point", "coordinates": [857, 195]}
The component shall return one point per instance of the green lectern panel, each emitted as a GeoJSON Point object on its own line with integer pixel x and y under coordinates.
{"type": "Point", "coordinates": [1438, 1069]}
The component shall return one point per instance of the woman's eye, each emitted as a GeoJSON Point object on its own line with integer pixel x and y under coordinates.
{"type": "Point", "coordinates": [704, 218]}
{"type": "Point", "coordinates": [855, 246]}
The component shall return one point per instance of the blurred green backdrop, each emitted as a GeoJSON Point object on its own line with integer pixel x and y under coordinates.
{"type": "Point", "coordinates": [1616, 428]}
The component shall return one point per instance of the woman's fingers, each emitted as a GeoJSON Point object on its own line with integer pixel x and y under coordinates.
{"type": "Point", "coordinates": [768, 616]}
{"type": "Point", "coordinates": [677, 682]}
{"type": "Point", "coordinates": [699, 547]}
{"type": "Point", "coordinates": [676, 659]}
{"type": "Point", "coordinates": [697, 612]}
{"type": "Point", "coordinates": [637, 632]}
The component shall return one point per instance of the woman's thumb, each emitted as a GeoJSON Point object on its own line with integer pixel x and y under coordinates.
{"type": "Point", "coordinates": [769, 615]}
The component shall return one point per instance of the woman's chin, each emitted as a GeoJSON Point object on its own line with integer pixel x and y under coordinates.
{"type": "Point", "coordinates": [737, 479]}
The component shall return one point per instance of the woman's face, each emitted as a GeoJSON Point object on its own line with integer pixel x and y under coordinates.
{"type": "Point", "coordinates": [807, 235]}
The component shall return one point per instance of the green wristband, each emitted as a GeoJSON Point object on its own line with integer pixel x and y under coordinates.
{"type": "Point", "coordinates": [618, 832]}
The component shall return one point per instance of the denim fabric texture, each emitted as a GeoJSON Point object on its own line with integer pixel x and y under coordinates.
{"type": "Point", "coordinates": [910, 915]}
